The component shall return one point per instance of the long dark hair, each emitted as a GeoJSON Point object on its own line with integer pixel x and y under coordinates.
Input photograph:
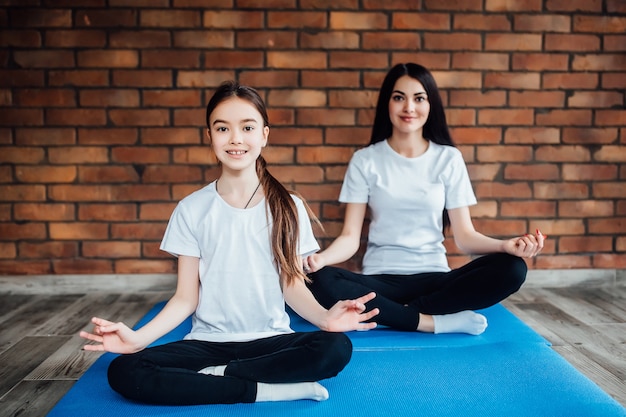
{"type": "Point", "coordinates": [285, 229]}
{"type": "Point", "coordinates": [435, 128]}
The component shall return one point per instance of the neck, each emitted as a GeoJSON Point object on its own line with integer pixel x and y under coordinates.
{"type": "Point", "coordinates": [408, 145]}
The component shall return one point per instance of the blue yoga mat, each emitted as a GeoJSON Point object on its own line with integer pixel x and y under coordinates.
{"type": "Point", "coordinates": [508, 371]}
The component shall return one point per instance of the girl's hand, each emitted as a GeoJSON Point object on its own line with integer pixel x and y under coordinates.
{"type": "Point", "coordinates": [525, 246]}
{"type": "Point", "coordinates": [349, 315]}
{"type": "Point", "coordinates": [313, 263]}
{"type": "Point", "coordinates": [111, 337]}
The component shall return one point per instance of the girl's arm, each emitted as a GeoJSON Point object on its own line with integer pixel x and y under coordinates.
{"type": "Point", "coordinates": [342, 317]}
{"type": "Point", "coordinates": [345, 245]}
{"type": "Point", "coordinates": [119, 338]}
{"type": "Point", "coordinates": [472, 242]}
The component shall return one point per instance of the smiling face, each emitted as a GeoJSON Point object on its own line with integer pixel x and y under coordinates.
{"type": "Point", "coordinates": [408, 106]}
{"type": "Point", "coordinates": [237, 133]}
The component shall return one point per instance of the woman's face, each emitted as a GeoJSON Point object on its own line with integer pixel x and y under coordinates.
{"type": "Point", "coordinates": [237, 133]}
{"type": "Point", "coordinates": [408, 106]}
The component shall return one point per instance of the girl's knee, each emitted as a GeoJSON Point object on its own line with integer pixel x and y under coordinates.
{"type": "Point", "coordinates": [122, 374]}
{"type": "Point", "coordinates": [335, 352]}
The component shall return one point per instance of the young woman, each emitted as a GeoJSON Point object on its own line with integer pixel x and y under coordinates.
{"type": "Point", "coordinates": [414, 182]}
{"type": "Point", "coordinates": [239, 243]}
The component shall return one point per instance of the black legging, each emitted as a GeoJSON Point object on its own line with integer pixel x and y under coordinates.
{"type": "Point", "coordinates": [168, 374]}
{"type": "Point", "coordinates": [481, 283]}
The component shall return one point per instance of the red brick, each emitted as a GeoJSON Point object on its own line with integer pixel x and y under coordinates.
{"type": "Point", "coordinates": [508, 153]}
{"type": "Point", "coordinates": [346, 136]}
{"type": "Point", "coordinates": [560, 191]}
{"type": "Point", "coordinates": [338, 40]}
{"type": "Point", "coordinates": [111, 97]}
{"type": "Point", "coordinates": [564, 153]}
{"type": "Point", "coordinates": [612, 226]}
{"type": "Point", "coordinates": [45, 174]}
{"type": "Point", "coordinates": [512, 42]}
{"type": "Point", "coordinates": [19, 192]}
{"type": "Point", "coordinates": [299, 174]}
{"type": "Point", "coordinates": [108, 136]}
{"type": "Point", "coordinates": [532, 135]}
{"type": "Point", "coordinates": [106, 18]}
{"type": "Point", "coordinates": [477, 60]}
{"type": "Point", "coordinates": [563, 262]}
{"type": "Point", "coordinates": [599, 24]}
{"type": "Point", "coordinates": [325, 117]}
{"type": "Point", "coordinates": [421, 21]}
{"type": "Point", "coordinates": [136, 154]}
{"type": "Point", "coordinates": [539, 62]}
{"type": "Point", "coordinates": [542, 23]}
{"type": "Point", "coordinates": [45, 250]}
{"type": "Point", "coordinates": [28, 267]}
{"type": "Point", "coordinates": [564, 118]}
{"type": "Point", "coordinates": [142, 78]}
{"type": "Point", "coordinates": [107, 212]}
{"type": "Point", "coordinates": [458, 79]}
{"type": "Point", "coordinates": [21, 78]}
{"type": "Point", "coordinates": [156, 211]}
{"type": "Point", "coordinates": [20, 38]}
{"type": "Point", "coordinates": [505, 117]}
{"type": "Point", "coordinates": [170, 18]}
{"type": "Point", "coordinates": [595, 99]}
{"type": "Point", "coordinates": [611, 261]}
{"type": "Point", "coordinates": [297, 19]}
{"type": "Point", "coordinates": [78, 231]}
{"type": "Point", "coordinates": [75, 117]}
{"type": "Point", "coordinates": [139, 117]}
{"type": "Point", "coordinates": [260, 79]}
{"type": "Point", "coordinates": [610, 117]}
{"type": "Point", "coordinates": [574, 5]}
{"type": "Point", "coordinates": [357, 59]}
{"type": "Point", "coordinates": [171, 174]}
{"type": "Point", "coordinates": [204, 39]}
{"type": "Point", "coordinates": [604, 62]}
{"type": "Point", "coordinates": [616, 80]}
{"type": "Point", "coordinates": [461, 117]}
{"type": "Point", "coordinates": [500, 227]}
{"type": "Point", "coordinates": [40, 18]}
{"type": "Point", "coordinates": [45, 136]}
{"type": "Point", "coordinates": [296, 59]}
{"type": "Point", "coordinates": [139, 39]}
{"type": "Point", "coordinates": [608, 190]}
{"type": "Point", "coordinates": [168, 135]}
{"type": "Point", "coordinates": [534, 172]}
{"type": "Point", "coordinates": [615, 43]}
{"type": "Point", "coordinates": [90, 78]}
{"type": "Point", "coordinates": [191, 117]}
{"type": "Point", "coordinates": [44, 59]}
{"type": "Point", "coordinates": [170, 59]}
{"type": "Point", "coordinates": [569, 81]}
{"type": "Point", "coordinates": [452, 41]}
{"type": "Point", "coordinates": [490, 190]}
{"type": "Point", "coordinates": [572, 42]}
{"type": "Point", "coordinates": [537, 99]}
{"type": "Point", "coordinates": [108, 58]}
{"type": "Point", "coordinates": [296, 136]}
{"type": "Point", "coordinates": [343, 79]}
{"type": "Point", "coordinates": [21, 117]}
{"type": "Point", "coordinates": [203, 79]}
{"type": "Point", "coordinates": [143, 230]}
{"type": "Point", "coordinates": [340, 20]}
{"type": "Point", "coordinates": [233, 19]}
{"type": "Point", "coordinates": [339, 4]}
{"type": "Point", "coordinates": [152, 250]}
{"type": "Point", "coordinates": [590, 136]}
{"type": "Point", "coordinates": [128, 266]}
{"type": "Point", "coordinates": [519, 209]}
{"type": "Point", "coordinates": [78, 154]}
{"type": "Point", "coordinates": [483, 172]}
{"type": "Point", "coordinates": [588, 172]}
{"type": "Point", "coordinates": [586, 208]}
{"type": "Point", "coordinates": [44, 212]}
{"type": "Point", "coordinates": [22, 155]}
{"type": "Point", "coordinates": [23, 231]}
{"type": "Point", "coordinates": [482, 22]}
{"type": "Point", "coordinates": [75, 38]}
{"type": "Point", "coordinates": [111, 249]}
{"type": "Point", "coordinates": [107, 174]}
{"type": "Point", "coordinates": [202, 155]}
{"type": "Point", "coordinates": [7, 250]}
{"type": "Point", "coordinates": [476, 135]}
{"type": "Point", "coordinates": [516, 6]}
{"type": "Point", "coordinates": [82, 266]}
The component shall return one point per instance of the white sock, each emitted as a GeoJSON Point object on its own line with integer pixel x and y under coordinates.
{"type": "Point", "coordinates": [291, 392]}
{"type": "Point", "coordinates": [213, 370]}
{"type": "Point", "coordinates": [462, 322]}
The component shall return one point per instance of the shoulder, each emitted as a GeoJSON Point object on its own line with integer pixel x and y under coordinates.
{"type": "Point", "coordinates": [198, 198]}
{"type": "Point", "coordinates": [370, 152]}
{"type": "Point", "coordinates": [448, 152]}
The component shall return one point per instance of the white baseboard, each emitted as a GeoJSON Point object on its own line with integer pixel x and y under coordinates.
{"type": "Point", "coordinates": [129, 283]}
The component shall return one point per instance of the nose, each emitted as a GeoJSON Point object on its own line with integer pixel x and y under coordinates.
{"type": "Point", "coordinates": [409, 106]}
{"type": "Point", "coordinates": [236, 137]}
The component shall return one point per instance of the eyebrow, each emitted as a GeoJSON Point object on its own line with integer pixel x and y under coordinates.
{"type": "Point", "coordinates": [216, 121]}
{"type": "Point", "coordinates": [416, 94]}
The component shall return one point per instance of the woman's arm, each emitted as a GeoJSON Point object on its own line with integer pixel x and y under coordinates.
{"type": "Point", "coordinates": [345, 245]}
{"type": "Point", "coordinates": [471, 241]}
{"type": "Point", "coordinates": [342, 317]}
{"type": "Point", "coordinates": [119, 338]}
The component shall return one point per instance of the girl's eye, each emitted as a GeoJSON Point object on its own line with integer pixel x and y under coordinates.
{"type": "Point", "coordinates": [248, 128]}
{"type": "Point", "coordinates": [220, 129]}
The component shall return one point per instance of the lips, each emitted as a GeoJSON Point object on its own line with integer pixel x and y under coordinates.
{"type": "Point", "coordinates": [236, 153]}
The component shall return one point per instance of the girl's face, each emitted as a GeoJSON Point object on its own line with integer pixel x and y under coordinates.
{"type": "Point", "coordinates": [408, 106]}
{"type": "Point", "coordinates": [237, 133]}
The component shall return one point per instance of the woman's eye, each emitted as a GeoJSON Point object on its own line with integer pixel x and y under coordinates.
{"type": "Point", "coordinates": [396, 98]}
{"type": "Point", "coordinates": [248, 128]}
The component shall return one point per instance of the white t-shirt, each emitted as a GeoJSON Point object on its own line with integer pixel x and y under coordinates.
{"type": "Point", "coordinates": [240, 294]}
{"type": "Point", "coordinates": [406, 197]}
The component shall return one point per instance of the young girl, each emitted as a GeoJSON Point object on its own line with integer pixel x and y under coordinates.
{"type": "Point", "coordinates": [239, 243]}
{"type": "Point", "coordinates": [414, 181]}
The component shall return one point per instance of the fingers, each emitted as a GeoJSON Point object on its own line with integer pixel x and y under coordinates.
{"type": "Point", "coordinates": [529, 245]}
{"type": "Point", "coordinates": [367, 297]}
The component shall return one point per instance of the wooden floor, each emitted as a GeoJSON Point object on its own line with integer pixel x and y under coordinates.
{"type": "Point", "coordinates": [41, 356]}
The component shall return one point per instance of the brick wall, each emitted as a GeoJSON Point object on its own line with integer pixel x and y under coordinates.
{"type": "Point", "coordinates": [102, 109]}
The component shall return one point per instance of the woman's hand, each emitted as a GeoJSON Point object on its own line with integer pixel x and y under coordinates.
{"type": "Point", "coordinates": [112, 337]}
{"type": "Point", "coordinates": [349, 315]}
{"type": "Point", "coordinates": [525, 246]}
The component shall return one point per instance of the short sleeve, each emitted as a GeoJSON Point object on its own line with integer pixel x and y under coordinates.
{"type": "Point", "coordinates": [307, 244]}
{"type": "Point", "coordinates": [355, 188]}
{"type": "Point", "coordinates": [459, 192]}
{"type": "Point", "coordinates": [179, 237]}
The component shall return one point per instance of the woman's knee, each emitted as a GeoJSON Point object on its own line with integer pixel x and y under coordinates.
{"type": "Point", "coordinates": [122, 374]}
{"type": "Point", "coordinates": [516, 270]}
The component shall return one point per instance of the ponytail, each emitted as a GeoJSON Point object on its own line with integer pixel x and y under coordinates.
{"type": "Point", "coordinates": [285, 229]}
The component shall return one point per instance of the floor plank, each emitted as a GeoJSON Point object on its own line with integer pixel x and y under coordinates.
{"type": "Point", "coordinates": [33, 398]}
